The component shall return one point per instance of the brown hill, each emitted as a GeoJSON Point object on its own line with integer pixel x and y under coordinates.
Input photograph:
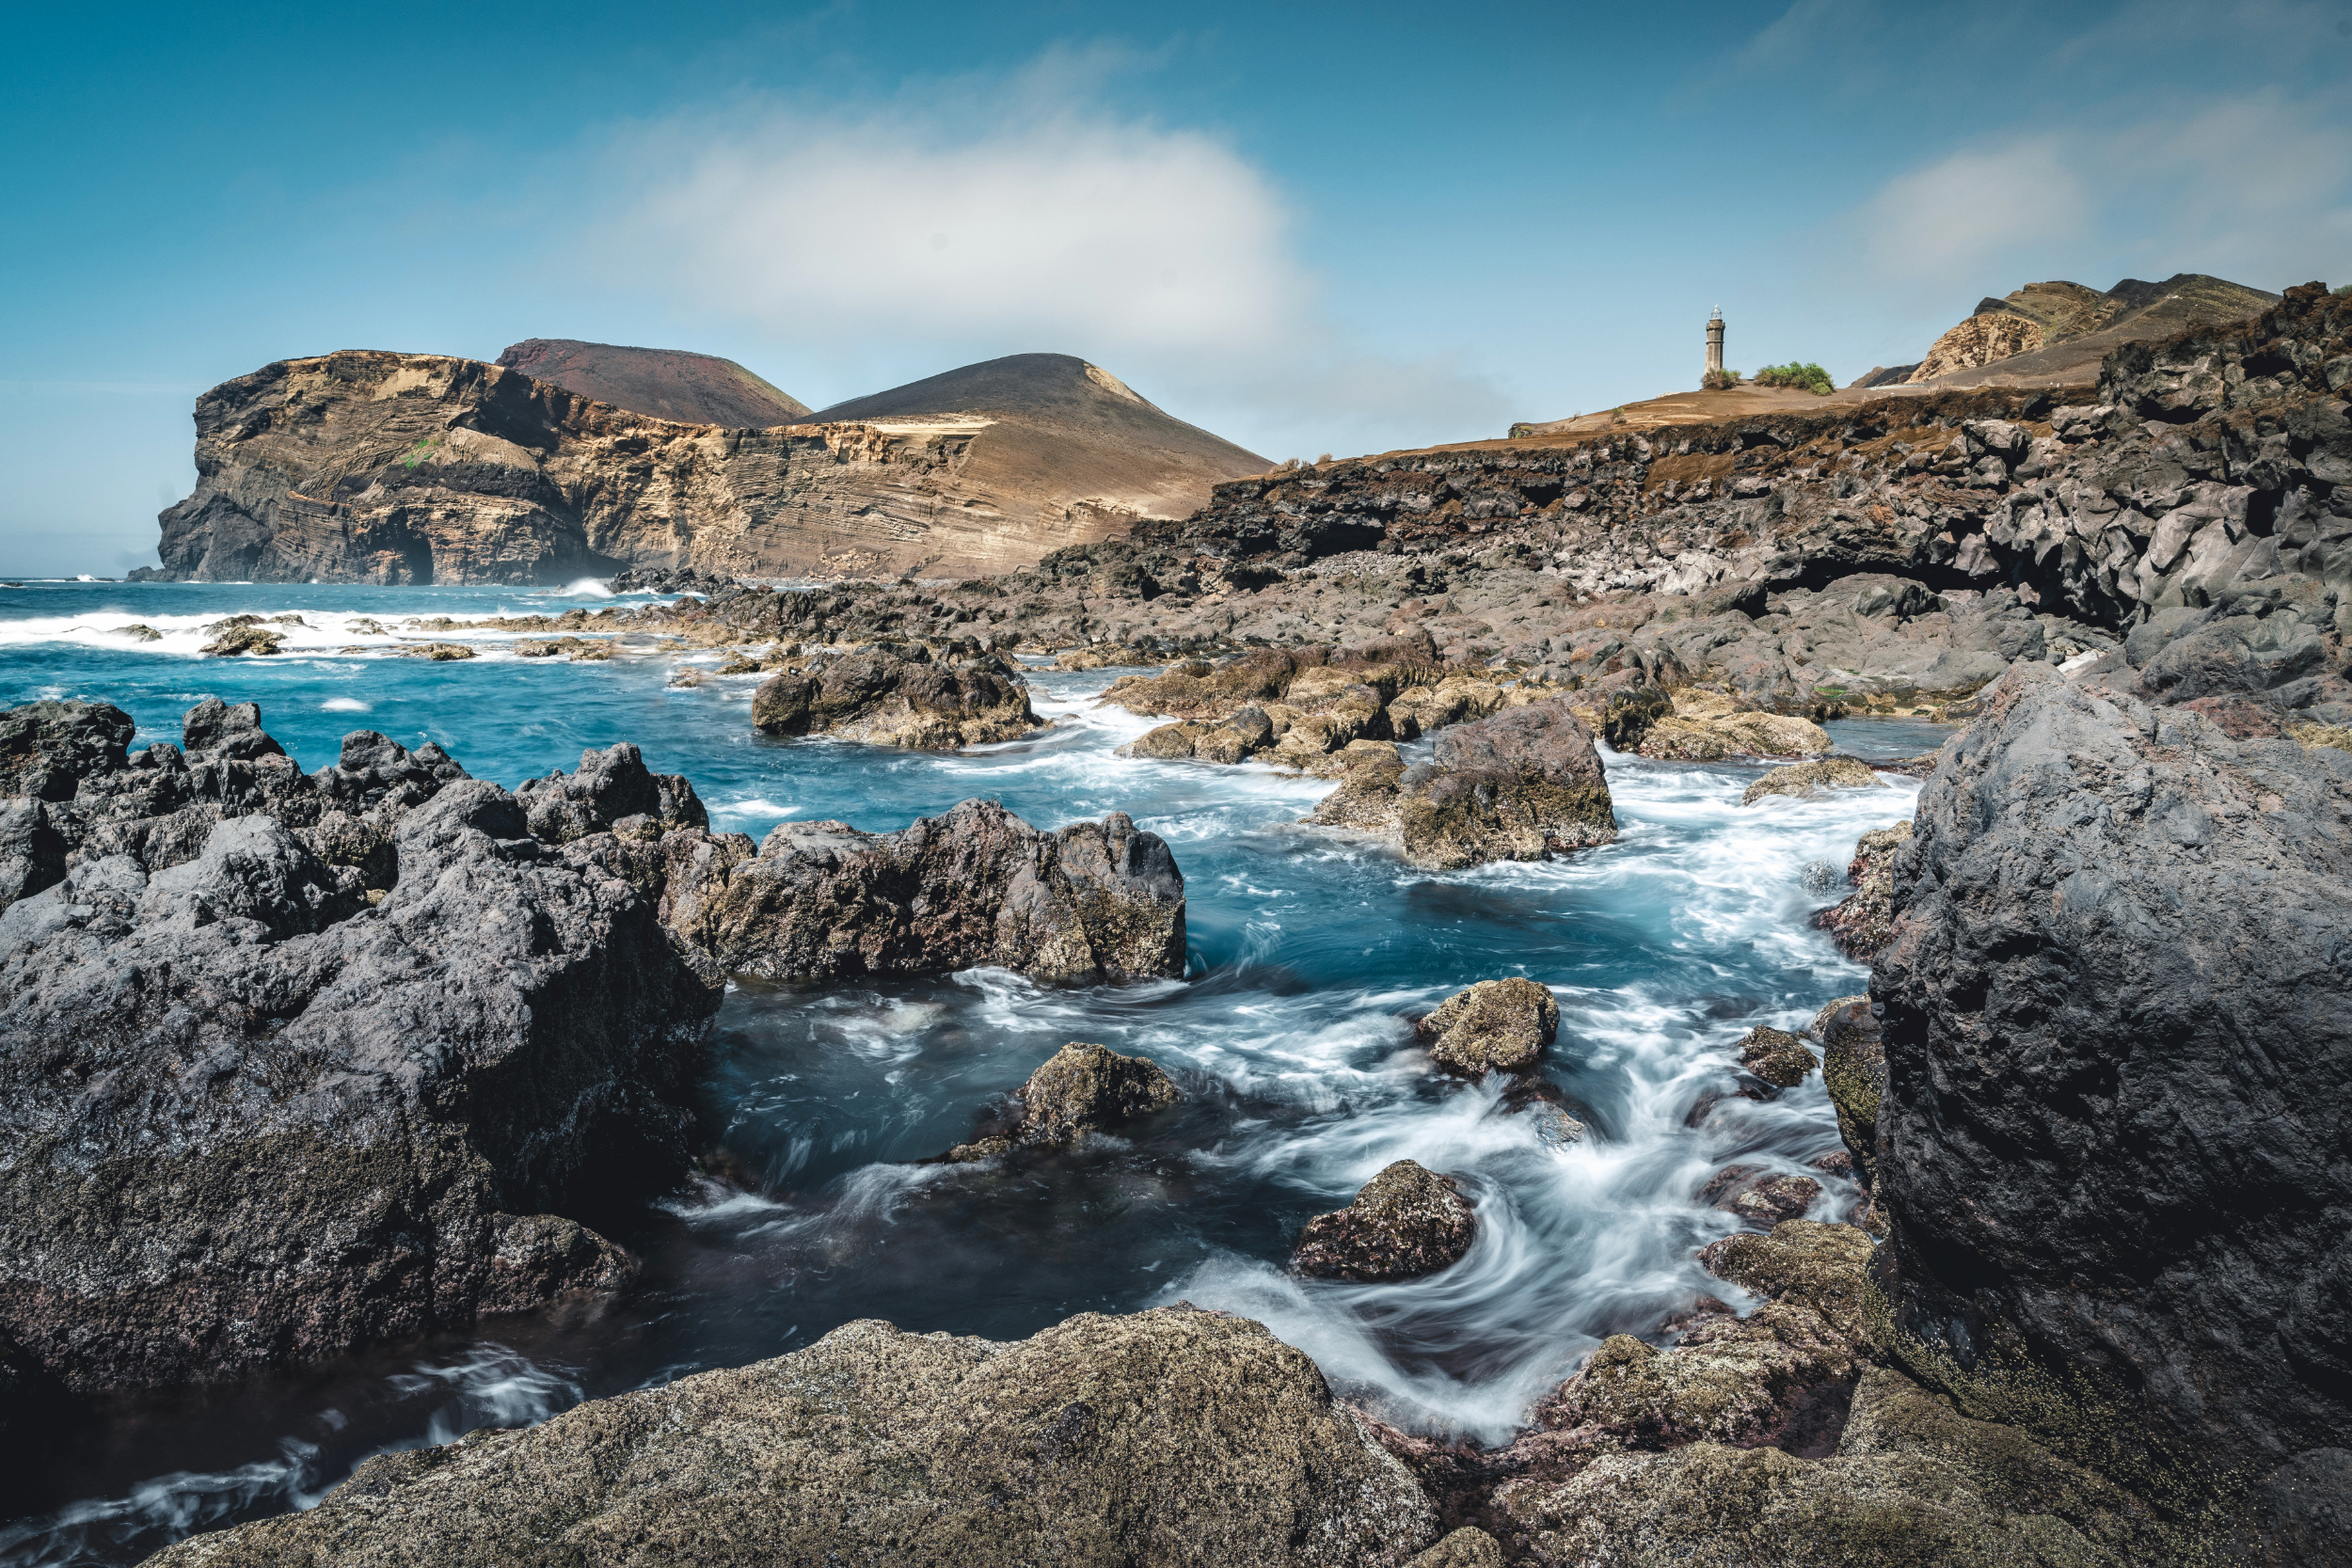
{"type": "Point", "coordinates": [1052, 433]}
{"type": "Point", "coordinates": [667, 382]}
{"type": "Point", "coordinates": [2051, 334]}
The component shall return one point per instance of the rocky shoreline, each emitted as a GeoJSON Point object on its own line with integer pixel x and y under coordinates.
{"type": "Point", "coordinates": [2093, 1312]}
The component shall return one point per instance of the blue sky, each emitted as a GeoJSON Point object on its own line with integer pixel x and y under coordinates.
{"type": "Point", "coordinates": [1309, 227]}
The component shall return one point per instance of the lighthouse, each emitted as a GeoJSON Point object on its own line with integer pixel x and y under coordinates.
{"type": "Point", "coordinates": [1715, 341]}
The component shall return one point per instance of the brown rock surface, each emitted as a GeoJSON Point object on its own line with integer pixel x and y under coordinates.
{"type": "Point", "coordinates": [1860, 923]}
{"type": "Point", "coordinates": [1979, 341]}
{"type": "Point", "coordinates": [1171, 1438]}
{"type": "Point", "coordinates": [886, 698]}
{"type": "Point", "coordinates": [1775, 1055]}
{"type": "Point", "coordinates": [1806, 781]}
{"type": "Point", "coordinates": [1079, 1089]}
{"type": "Point", "coordinates": [1405, 1222]}
{"type": "Point", "coordinates": [1493, 1026]}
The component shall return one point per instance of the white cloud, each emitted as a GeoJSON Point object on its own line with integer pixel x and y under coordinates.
{"type": "Point", "coordinates": [1022, 216]}
{"type": "Point", "coordinates": [2256, 188]}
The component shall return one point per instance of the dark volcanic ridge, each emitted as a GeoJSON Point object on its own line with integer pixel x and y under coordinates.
{"type": "Point", "coordinates": [667, 382]}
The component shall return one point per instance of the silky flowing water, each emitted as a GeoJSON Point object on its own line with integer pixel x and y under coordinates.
{"type": "Point", "coordinates": [1309, 952]}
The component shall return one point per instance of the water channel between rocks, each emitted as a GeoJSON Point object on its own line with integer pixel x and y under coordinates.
{"type": "Point", "coordinates": [1309, 952]}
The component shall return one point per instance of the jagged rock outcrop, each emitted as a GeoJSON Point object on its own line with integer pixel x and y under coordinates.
{"type": "Point", "coordinates": [364, 466]}
{"type": "Point", "coordinates": [888, 699]}
{"type": "Point", "coordinates": [1524, 783]}
{"type": "Point", "coordinates": [1984, 338]}
{"type": "Point", "coordinates": [1090, 902]}
{"type": "Point", "coordinates": [2118, 1064]}
{"type": "Point", "coordinates": [297, 1063]}
{"type": "Point", "coordinates": [2048, 333]}
{"type": "Point", "coordinates": [1171, 1437]}
{"type": "Point", "coordinates": [1405, 1222]}
{"type": "Point", "coordinates": [1080, 1089]}
{"type": "Point", "coordinates": [1808, 780]}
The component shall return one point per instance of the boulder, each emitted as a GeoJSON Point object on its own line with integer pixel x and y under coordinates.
{"type": "Point", "coordinates": [1093, 901]}
{"type": "Point", "coordinates": [888, 699]}
{"type": "Point", "coordinates": [1811, 780]}
{"type": "Point", "coordinates": [1405, 1222]}
{"type": "Point", "coordinates": [1860, 922]}
{"type": "Point", "coordinates": [1523, 784]}
{"type": "Point", "coordinates": [2118, 1040]}
{"type": "Point", "coordinates": [1080, 1089]}
{"type": "Point", "coordinates": [1493, 1026]}
{"type": "Point", "coordinates": [1168, 1437]}
{"type": "Point", "coordinates": [261, 1114]}
{"type": "Point", "coordinates": [1467, 1547]}
{"type": "Point", "coordinates": [1775, 1055]}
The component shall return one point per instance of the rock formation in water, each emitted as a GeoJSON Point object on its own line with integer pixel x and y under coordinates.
{"type": "Point", "coordinates": [363, 467]}
{"type": "Point", "coordinates": [1493, 1026]}
{"type": "Point", "coordinates": [1170, 1437]}
{"type": "Point", "coordinates": [1406, 1221]}
{"type": "Point", "coordinates": [1090, 902]}
{"type": "Point", "coordinates": [668, 384]}
{"type": "Point", "coordinates": [1524, 783]}
{"type": "Point", "coordinates": [2118, 1036]}
{"type": "Point", "coordinates": [297, 1063]}
{"type": "Point", "coordinates": [890, 699]}
{"type": "Point", "coordinates": [1080, 1089]}
{"type": "Point", "coordinates": [1860, 922]}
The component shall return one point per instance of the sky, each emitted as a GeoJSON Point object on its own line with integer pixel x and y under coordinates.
{"type": "Point", "coordinates": [1311, 228]}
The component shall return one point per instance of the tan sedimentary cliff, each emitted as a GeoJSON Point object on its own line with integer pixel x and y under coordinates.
{"type": "Point", "coordinates": [413, 468]}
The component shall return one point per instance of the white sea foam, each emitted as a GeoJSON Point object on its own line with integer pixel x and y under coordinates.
{"type": "Point", "coordinates": [343, 704]}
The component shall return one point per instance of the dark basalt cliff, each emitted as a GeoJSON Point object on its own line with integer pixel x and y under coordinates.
{"type": "Point", "coordinates": [365, 466]}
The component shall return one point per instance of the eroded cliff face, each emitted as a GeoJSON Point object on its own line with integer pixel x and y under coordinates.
{"type": "Point", "coordinates": [365, 466]}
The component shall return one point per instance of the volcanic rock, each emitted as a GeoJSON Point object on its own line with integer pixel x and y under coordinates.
{"type": "Point", "coordinates": [1523, 784]}
{"type": "Point", "coordinates": [1467, 1547]}
{"type": "Point", "coordinates": [1493, 1026]}
{"type": "Point", "coordinates": [2117, 1065]}
{"type": "Point", "coordinates": [1859, 924]}
{"type": "Point", "coordinates": [1093, 901]}
{"type": "Point", "coordinates": [1810, 781]}
{"type": "Point", "coordinates": [887, 700]}
{"type": "Point", "coordinates": [1169, 1436]}
{"type": "Point", "coordinates": [264, 1114]}
{"type": "Point", "coordinates": [1405, 1222]}
{"type": "Point", "coordinates": [1853, 1070]}
{"type": "Point", "coordinates": [1775, 1055]}
{"type": "Point", "coordinates": [1079, 1089]}
{"type": "Point", "coordinates": [612, 792]}
{"type": "Point", "coordinates": [1708, 726]}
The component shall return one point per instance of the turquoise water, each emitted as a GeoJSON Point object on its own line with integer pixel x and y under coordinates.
{"type": "Point", "coordinates": [1308, 952]}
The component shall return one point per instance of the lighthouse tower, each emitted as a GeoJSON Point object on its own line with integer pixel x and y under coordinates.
{"type": "Point", "coordinates": [1715, 339]}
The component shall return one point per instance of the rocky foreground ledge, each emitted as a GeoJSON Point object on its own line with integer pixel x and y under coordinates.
{"type": "Point", "coordinates": [295, 1062]}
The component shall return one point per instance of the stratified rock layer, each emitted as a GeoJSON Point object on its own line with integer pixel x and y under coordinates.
{"type": "Point", "coordinates": [295, 1062]}
{"type": "Point", "coordinates": [976, 885]}
{"type": "Point", "coordinates": [2119, 1082]}
{"type": "Point", "coordinates": [1168, 1439]}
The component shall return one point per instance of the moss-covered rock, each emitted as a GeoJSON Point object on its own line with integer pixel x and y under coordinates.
{"type": "Point", "coordinates": [1493, 1026]}
{"type": "Point", "coordinates": [1708, 727]}
{"type": "Point", "coordinates": [1467, 1547]}
{"type": "Point", "coordinates": [1166, 1438]}
{"type": "Point", "coordinates": [1775, 1055]}
{"type": "Point", "coordinates": [1079, 1089]}
{"type": "Point", "coordinates": [1854, 1068]}
{"type": "Point", "coordinates": [1405, 1222]}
